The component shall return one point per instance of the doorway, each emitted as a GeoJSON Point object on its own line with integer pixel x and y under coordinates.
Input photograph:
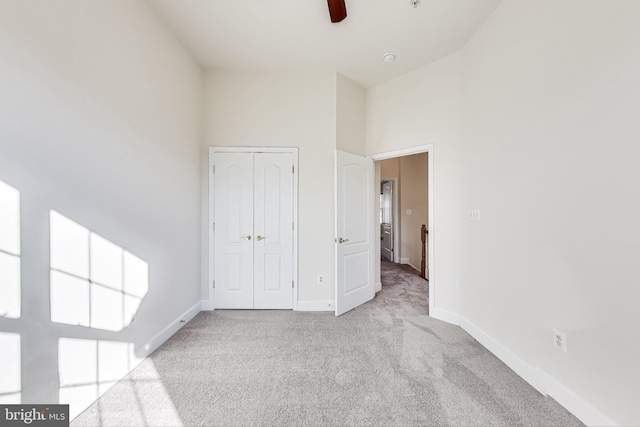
{"type": "Point", "coordinates": [409, 219]}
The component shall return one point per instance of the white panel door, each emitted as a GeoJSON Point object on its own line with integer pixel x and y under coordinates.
{"type": "Point", "coordinates": [233, 236]}
{"type": "Point", "coordinates": [387, 220]}
{"type": "Point", "coordinates": [273, 226]}
{"type": "Point", "coordinates": [355, 232]}
{"type": "Point", "coordinates": [253, 237]}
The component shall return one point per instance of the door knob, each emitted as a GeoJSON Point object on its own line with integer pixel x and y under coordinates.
{"type": "Point", "coordinates": [341, 240]}
{"type": "Point", "coordinates": [260, 238]}
{"type": "Point", "coordinates": [246, 237]}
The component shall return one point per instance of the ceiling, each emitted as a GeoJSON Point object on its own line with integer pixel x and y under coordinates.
{"type": "Point", "coordinates": [298, 35]}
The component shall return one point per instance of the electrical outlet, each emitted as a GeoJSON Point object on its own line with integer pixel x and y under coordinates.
{"type": "Point", "coordinates": [320, 279]}
{"type": "Point", "coordinates": [474, 215]}
{"type": "Point", "coordinates": [560, 340]}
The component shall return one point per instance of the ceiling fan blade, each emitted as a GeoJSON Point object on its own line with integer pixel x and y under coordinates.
{"type": "Point", "coordinates": [337, 10]}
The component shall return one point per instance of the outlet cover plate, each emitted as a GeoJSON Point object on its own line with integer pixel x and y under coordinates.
{"type": "Point", "coordinates": [560, 340]}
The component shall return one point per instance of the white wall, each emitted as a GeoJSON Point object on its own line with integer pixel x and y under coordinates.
{"type": "Point", "coordinates": [350, 116]}
{"type": "Point", "coordinates": [551, 95]}
{"type": "Point", "coordinates": [99, 120]}
{"type": "Point", "coordinates": [278, 109]}
{"type": "Point", "coordinates": [423, 107]}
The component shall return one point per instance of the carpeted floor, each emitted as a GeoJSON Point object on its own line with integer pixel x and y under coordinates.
{"type": "Point", "coordinates": [385, 363]}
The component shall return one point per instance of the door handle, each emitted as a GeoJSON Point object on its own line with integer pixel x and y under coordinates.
{"type": "Point", "coordinates": [341, 240]}
{"type": "Point", "coordinates": [246, 237]}
{"type": "Point", "coordinates": [260, 238]}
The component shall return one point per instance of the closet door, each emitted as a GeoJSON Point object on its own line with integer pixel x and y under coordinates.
{"type": "Point", "coordinates": [253, 238]}
{"type": "Point", "coordinates": [233, 236]}
{"type": "Point", "coordinates": [273, 227]}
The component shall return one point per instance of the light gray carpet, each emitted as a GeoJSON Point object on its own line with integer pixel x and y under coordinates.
{"type": "Point", "coordinates": [385, 363]}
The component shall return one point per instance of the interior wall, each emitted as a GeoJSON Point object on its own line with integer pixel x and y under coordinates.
{"type": "Point", "coordinates": [551, 94]}
{"type": "Point", "coordinates": [350, 116]}
{"type": "Point", "coordinates": [419, 108]}
{"type": "Point", "coordinates": [100, 121]}
{"type": "Point", "coordinates": [390, 168]}
{"type": "Point", "coordinates": [413, 207]}
{"type": "Point", "coordinates": [277, 109]}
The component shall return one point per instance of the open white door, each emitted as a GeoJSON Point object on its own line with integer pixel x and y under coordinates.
{"type": "Point", "coordinates": [387, 220]}
{"type": "Point", "coordinates": [354, 231]}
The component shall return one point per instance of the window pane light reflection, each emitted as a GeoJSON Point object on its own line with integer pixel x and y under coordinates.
{"type": "Point", "coordinates": [88, 368]}
{"type": "Point", "coordinates": [10, 369]}
{"type": "Point", "coordinates": [9, 251]}
{"type": "Point", "coordinates": [94, 282]}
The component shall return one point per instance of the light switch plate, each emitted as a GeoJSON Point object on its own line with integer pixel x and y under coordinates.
{"type": "Point", "coordinates": [474, 215]}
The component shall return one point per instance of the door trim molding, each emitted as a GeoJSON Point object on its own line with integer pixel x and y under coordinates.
{"type": "Point", "coordinates": [427, 148]}
{"type": "Point", "coordinates": [211, 202]}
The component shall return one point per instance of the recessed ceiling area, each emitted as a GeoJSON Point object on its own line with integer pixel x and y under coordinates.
{"type": "Point", "coordinates": [298, 35]}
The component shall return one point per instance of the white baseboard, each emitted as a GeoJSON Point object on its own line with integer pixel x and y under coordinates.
{"type": "Point", "coordinates": [378, 287]}
{"type": "Point", "coordinates": [404, 260]}
{"type": "Point", "coordinates": [513, 361]}
{"type": "Point", "coordinates": [327, 305]}
{"type": "Point", "coordinates": [445, 316]}
{"type": "Point", "coordinates": [573, 403]}
{"type": "Point", "coordinates": [413, 266]}
{"type": "Point", "coordinates": [206, 305]}
{"type": "Point", "coordinates": [537, 378]}
{"type": "Point", "coordinates": [167, 332]}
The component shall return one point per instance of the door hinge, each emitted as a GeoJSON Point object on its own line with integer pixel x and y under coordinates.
{"type": "Point", "coordinates": [214, 226]}
{"type": "Point", "coordinates": [293, 226]}
{"type": "Point", "coordinates": [214, 284]}
{"type": "Point", "coordinates": [213, 169]}
{"type": "Point", "coordinates": [293, 169]}
{"type": "Point", "coordinates": [292, 284]}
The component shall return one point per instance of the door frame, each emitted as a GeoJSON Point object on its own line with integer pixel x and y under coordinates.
{"type": "Point", "coordinates": [396, 218]}
{"type": "Point", "coordinates": [427, 148]}
{"type": "Point", "coordinates": [211, 205]}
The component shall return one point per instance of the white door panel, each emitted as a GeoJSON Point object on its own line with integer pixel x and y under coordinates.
{"type": "Point", "coordinates": [273, 224]}
{"type": "Point", "coordinates": [233, 239]}
{"type": "Point", "coordinates": [355, 232]}
{"type": "Point", "coordinates": [387, 220]}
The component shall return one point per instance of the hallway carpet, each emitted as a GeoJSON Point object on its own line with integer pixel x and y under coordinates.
{"type": "Point", "coordinates": [385, 363]}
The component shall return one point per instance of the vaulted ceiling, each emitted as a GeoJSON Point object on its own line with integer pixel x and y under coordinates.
{"type": "Point", "coordinates": [297, 34]}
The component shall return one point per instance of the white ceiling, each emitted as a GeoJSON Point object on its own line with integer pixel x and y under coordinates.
{"type": "Point", "coordinates": [297, 34]}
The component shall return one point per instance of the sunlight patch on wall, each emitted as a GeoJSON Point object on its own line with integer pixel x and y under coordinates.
{"type": "Point", "coordinates": [88, 368]}
{"type": "Point", "coordinates": [10, 383]}
{"type": "Point", "coordinates": [9, 251]}
{"type": "Point", "coordinates": [94, 282]}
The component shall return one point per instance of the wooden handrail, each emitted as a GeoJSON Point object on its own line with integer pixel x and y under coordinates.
{"type": "Point", "coordinates": [423, 264]}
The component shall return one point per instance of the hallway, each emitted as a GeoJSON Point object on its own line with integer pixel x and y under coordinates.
{"type": "Point", "coordinates": [402, 283]}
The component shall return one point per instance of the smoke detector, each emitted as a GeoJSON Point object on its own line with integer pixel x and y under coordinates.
{"type": "Point", "coordinates": [389, 57]}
